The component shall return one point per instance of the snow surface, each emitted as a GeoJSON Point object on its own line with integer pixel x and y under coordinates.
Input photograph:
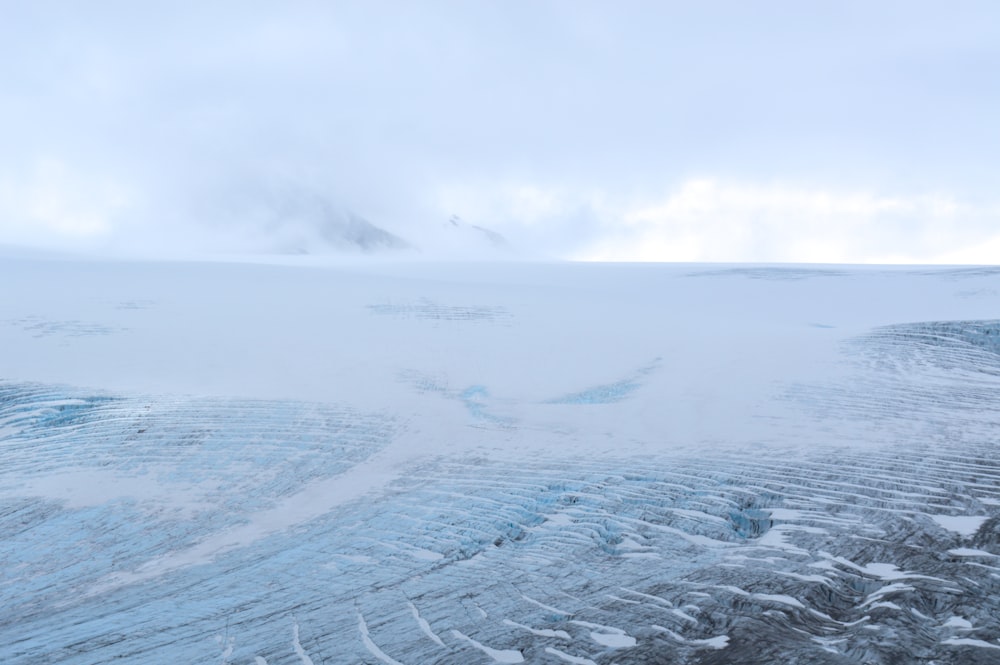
{"type": "Point", "coordinates": [965, 525]}
{"type": "Point", "coordinates": [454, 463]}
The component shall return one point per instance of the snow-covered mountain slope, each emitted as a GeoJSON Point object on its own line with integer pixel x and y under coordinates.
{"type": "Point", "coordinates": [474, 233]}
{"type": "Point", "coordinates": [260, 220]}
{"type": "Point", "coordinates": [498, 463]}
{"type": "Point", "coordinates": [302, 224]}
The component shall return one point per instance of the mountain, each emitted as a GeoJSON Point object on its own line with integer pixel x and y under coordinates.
{"type": "Point", "coordinates": [306, 223]}
{"type": "Point", "coordinates": [296, 221]}
{"type": "Point", "coordinates": [353, 231]}
{"type": "Point", "coordinates": [498, 462]}
{"type": "Point", "coordinates": [478, 234]}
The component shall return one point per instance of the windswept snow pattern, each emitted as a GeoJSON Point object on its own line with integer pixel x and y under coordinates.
{"type": "Point", "coordinates": [427, 310]}
{"type": "Point", "coordinates": [41, 327]}
{"type": "Point", "coordinates": [865, 529]}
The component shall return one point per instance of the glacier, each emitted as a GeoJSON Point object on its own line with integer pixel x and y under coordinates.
{"type": "Point", "coordinates": [374, 462]}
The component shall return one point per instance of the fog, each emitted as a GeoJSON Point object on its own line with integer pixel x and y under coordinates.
{"type": "Point", "coordinates": [582, 130]}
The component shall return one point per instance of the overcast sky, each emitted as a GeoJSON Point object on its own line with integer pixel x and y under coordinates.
{"type": "Point", "coordinates": [682, 131]}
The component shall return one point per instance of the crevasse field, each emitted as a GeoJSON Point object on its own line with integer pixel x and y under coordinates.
{"type": "Point", "coordinates": [498, 463]}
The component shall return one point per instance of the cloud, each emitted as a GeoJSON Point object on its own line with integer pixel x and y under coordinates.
{"type": "Point", "coordinates": [55, 201]}
{"type": "Point", "coordinates": [724, 220]}
{"type": "Point", "coordinates": [561, 125]}
{"type": "Point", "coordinates": [712, 220]}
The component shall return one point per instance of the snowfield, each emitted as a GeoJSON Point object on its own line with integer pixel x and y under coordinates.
{"type": "Point", "coordinates": [254, 463]}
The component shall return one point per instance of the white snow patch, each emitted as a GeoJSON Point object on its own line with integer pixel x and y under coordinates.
{"type": "Point", "coordinates": [371, 646]}
{"type": "Point", "coordinates": [576, 660]}
{"type": "Point", "coordinates": [425, 626]}
{"type": "Point", "coordinates": [541, 632]}
{"type": "Point", "coordinates": [297, 645]}
{"type": "Point", "coordinates": [560, 519]}
{"type": "Point", "coordinates": [968, 551]}
{"type": "Point", "coordinates": [827, 643]}
{"type": "Point", "coordinates": [821, 579]}
{"type": "Point", "coordinates": [964, 525]}
{"type": "Point", "coordinates": [875, 596]}
{"type": "Point", "coordinates": [424, 554]}
{"type": "Point", "coordinates": [717, 642]}
{"type": "Point", "coordinates": [655, 599]}
{"type": "Point", "coordinates": [498, 655]}
{"type": "Point", "coordinates": [958, 622]}
{"type": "Point", "coordinates": [613, 640]}
{"type": "Point", "coordinates": [608, 636]}
{"type": "Point", "coordinates": [776, 538]}
{"type": "Point", "coordinates": [227, 653]}
{"type": "Point", "coordinates": [781, 598]}
{"type": "Point", "coordinates": [884, 571]}
{"type": "Point", "coordinates": [824, 564]}
{"type": "Point", "coordinates": [546, 607]}
{"type": "Point", "coordinates": [684, 615]}
{"type": "Point", "coordinates": [970, 642]}
{"type": "Point", "coordinates": [627, 601]}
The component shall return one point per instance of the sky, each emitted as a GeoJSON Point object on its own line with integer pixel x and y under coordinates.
{"type": "Point", "coordinates": [857, 132]}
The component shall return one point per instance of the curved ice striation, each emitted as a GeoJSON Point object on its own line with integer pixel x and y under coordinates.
{"type": "Point", "coordinates": [765, 559]}
{"type": "Point", "coordinates": [837, 554]}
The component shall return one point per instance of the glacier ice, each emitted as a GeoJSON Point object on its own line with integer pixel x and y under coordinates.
{"type": "Point", "coordinates": [463, 514]}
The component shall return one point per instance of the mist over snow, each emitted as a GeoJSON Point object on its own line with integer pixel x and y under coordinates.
{"type": "Point", "coordinates": [713, 131]}
{"type": "Point", "coordinates": [509, 462]}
